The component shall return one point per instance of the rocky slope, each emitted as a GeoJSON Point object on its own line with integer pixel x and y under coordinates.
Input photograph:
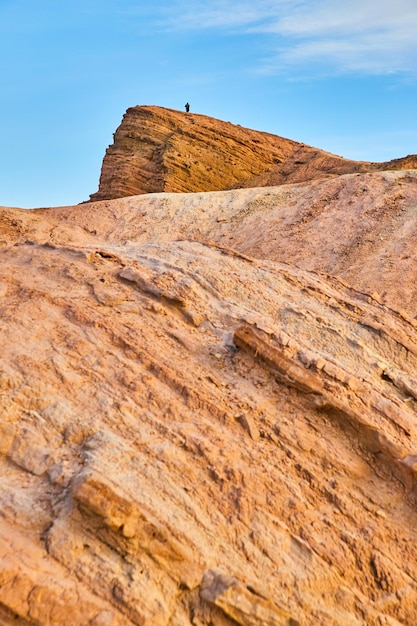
{"type": "Point", "coordinates": [201, 424]}
{"type": "Point", "coordinates": [360, 227]}
{"type": "Point", "coordinates": [157, 149]}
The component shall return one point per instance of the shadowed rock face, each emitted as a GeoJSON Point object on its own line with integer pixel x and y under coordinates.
{"type": "Point", "coordinates": [200, 423]}
{"type": "Point", "coordinates": [157, 149]}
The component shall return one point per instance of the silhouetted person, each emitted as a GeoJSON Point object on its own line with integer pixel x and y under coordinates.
{"type": "Point", "coordinates": [187, 107]}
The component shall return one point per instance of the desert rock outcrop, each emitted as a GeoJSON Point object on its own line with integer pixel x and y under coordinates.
{"type": "Point", "coordinates": [360, 227]}
{"type": "Point", "coordinates": [157, 149]}
{"type": "Point", "coordinates": [208, 408]}
{"type": "Point", "coordinates": [193, 436]}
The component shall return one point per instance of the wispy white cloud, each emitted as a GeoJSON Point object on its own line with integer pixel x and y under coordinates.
{"type": "Point", "coordinates": [321, 17]}
{"type": "Point", "coordinates": [204, 14]}
{"type": "Point", "coordinates": [370, 36]}
{"type": "Point", "coordinates": [376, 36]}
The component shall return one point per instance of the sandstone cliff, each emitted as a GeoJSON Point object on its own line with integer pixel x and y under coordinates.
{"type": "Point", "coordinates": [201, 424]}
{"type": "Point", "coordinates": [157, 149]}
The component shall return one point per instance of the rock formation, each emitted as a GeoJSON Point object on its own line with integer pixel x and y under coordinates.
{"type": "Point", "coordinates": [157, 149]}
{"type": "Point", "coordinates": [208, 408]}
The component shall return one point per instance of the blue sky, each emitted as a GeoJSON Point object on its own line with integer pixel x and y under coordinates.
{"type": "Point", "coordinates": [341, 76]}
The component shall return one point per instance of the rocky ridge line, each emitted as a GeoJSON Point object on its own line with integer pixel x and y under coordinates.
{"type": "Point", "coordinates": [200, 423]}
{"type": "Point", "coordinates": [157, 149]}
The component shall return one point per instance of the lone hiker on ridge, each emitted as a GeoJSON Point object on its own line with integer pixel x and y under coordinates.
{"type": "Point", "coordinates": [187, 107]}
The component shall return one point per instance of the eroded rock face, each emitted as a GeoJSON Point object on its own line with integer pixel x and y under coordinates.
{"type": "Point", "coordinates": [195, 431]}
{"type": "Point", "coordinates": [360, 227]}
{"type": "Point", "coordinates": [157, 149]}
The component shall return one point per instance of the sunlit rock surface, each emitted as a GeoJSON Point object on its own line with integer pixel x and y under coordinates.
{"type": "Point", "coordinates": [208, 408]}
{"type": "Point", "coordinates": [157, 149]}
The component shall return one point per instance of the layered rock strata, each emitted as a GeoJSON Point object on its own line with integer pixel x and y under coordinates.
{"type": "Point", "coordinates": [157, 149]}
{"type": "Point", "coordinates": [360, 227]}
{"type": "Point", "coordinates": [193, 434]}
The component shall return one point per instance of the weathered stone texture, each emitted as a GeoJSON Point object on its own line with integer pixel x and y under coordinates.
{"type": "Point", "coordinates": [200, 424]}
{"type": "Point", "coordinates": [157, 149]}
